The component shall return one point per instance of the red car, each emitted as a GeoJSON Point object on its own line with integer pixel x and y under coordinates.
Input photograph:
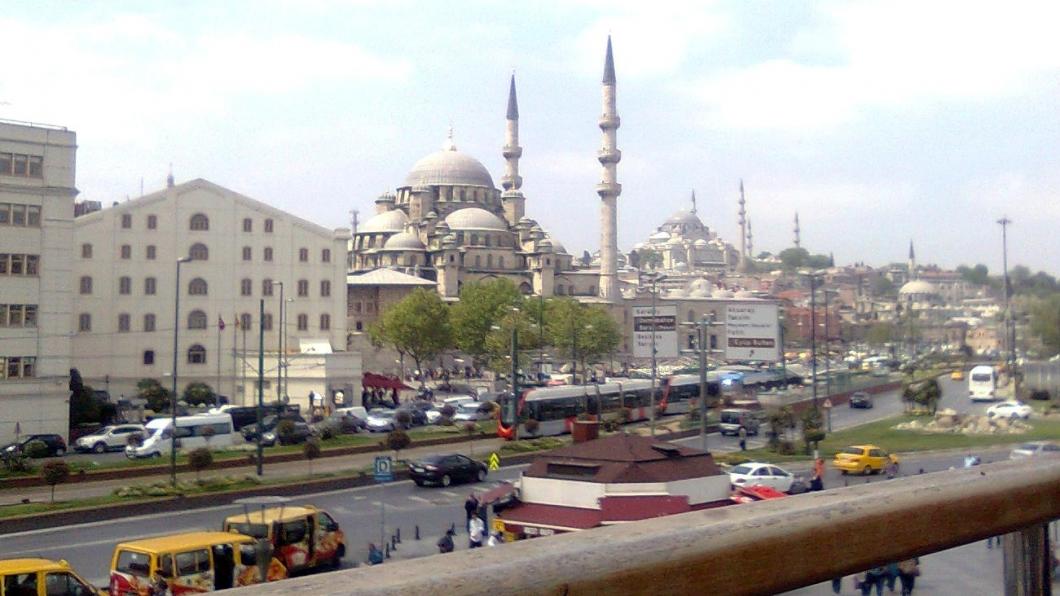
{"type": "Point", "coordinates": [755, 492]}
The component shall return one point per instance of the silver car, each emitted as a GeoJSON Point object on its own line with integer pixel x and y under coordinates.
{"type": "Point", "coordinates": [1035, 449]}
{"type": "Point", "coordinates": [108, 438]}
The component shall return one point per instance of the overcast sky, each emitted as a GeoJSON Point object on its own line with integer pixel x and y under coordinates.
{"type": "Point", "coordinates": [879, 122]}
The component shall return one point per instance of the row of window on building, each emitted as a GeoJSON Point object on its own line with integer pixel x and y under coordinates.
{"type": "Point", "coordinates": [25, 166]}
{"type": "Point", "coordinates": [200, 252]}
{"type": "Point", "coordinates": [18, 367]}
{"type": "Point", "coordinates": [196, 223]}
{"type": "Point", "coordinates": [199, 287]}
{"type": "Point", "coordinates": [15, 214]}
{"type": "Point", "coordinates": [18, 315]}
{"type": "Point", "coordinates": [19, 264]}
{"type": "Point", "coordinates": [196, 355]}
{"type": "Point", "coordinates": [197, 320]}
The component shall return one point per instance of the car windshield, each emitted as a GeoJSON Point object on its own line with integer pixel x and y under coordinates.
{"type": "Point", "coordinates": [1028, 447]}
{"type": "Point", "coordinates": [851, 451]}
{"type": "Point", "coordinates": [741, 470]}
{"type": "Point", "coordinates": [249, 529]}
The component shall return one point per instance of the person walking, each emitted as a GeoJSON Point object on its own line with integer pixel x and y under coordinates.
{"type": "Point", "coordinates": [892, 469]}
{"type": "Point", "coordinates": [817, 480]}
{"type": "Point", "coordinates": [908, 570]}
{"type": "Point", "coordinates": [470, 509]}
{"type": "Point", "coordinates": [743, 439]}
{"type": "Point", "coordinates": [476, 532]}
{"type": "Point", "coordinates": [892, 576]}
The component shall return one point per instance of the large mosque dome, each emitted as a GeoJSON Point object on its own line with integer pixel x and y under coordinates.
{"type": "Point", "coordinates": [449, 167]}
{"type": "Point", "coordinates": [685, 217]}
{"type": "Point", "coordinates": [394, 220]}
{"type": "Point", "coordinates": [474, 218]}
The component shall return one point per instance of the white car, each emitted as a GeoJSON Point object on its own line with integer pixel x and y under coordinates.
{"type": "Point", "coordinates": [1009, 409]}
{"type": "Point", "coordinates": [1035, 449]}
{"type": "Point", "coordinates": [380, 420]}
{"type": "Point", "coordinates": [109, 438]}
{"type": "Point", "coordinates": [473, 412]}
{"type": "Point", "coordinates": [752, 473]}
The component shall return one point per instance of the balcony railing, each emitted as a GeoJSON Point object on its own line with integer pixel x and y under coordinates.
{"type": "Point", "coordinates": [758, 548]}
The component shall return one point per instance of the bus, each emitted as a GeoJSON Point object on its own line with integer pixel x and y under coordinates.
{"type": "Point", "coordinates": [982, 383]}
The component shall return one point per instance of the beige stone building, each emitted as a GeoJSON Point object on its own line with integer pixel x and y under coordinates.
{"type": "Point", "coordinates": [241, 251]}
{"type": "Point", "coordinates": [37, 190]}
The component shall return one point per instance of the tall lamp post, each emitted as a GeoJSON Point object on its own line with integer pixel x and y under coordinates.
{"type": "Point", "coordinates": [1010, 328]}
{"type": "Point", "coordinates": [279, 348]}
{"type": "Point", "coordinates": [813, 335]}
{"type": "Point", "coordinates": [176, 361]}
{"type": "Point", "coordinates": [783, 360]}
{"type": "Point", "coordinates": [827, 348]}
{"type": "Point", "coordinates": [654, 278]}
{"type": "Point", "coordinates": [702, 350]}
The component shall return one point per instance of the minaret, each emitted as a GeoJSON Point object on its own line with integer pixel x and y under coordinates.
{"type": "Point", "coordinates": [693, 201]}
{"type": "Point", "coordinates": [169, 178]}
{"type": "Point", "coordinates": [609, 188]}
{"type": "Point", "coordinates": [750, 240]}
{"type": "Point", "coordinates": [798, 242]}
{"type": "Point", "coordinates": [743, 225]}
{"type": "Point", "coordinates": [512, 198]}
{"type": "Point", "coordinates": [912, 262]}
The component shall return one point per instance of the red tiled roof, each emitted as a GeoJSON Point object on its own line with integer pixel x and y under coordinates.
{"type": "Point", "coordinates": [642, 507]}
{"type": "Point", "coordinates": [623, 447]}
{"type": "Point", "coordinates": [624, 459]}
{"type": "Point", "coordinates": [554, 516]}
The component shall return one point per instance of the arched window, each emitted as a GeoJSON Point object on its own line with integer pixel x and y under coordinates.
{"type": "Point", "coordinates": [124, 285]}
{"type": "Point", "coordinates": [303, 287]}
{"type": "Point", "coordinates": [196, 354]}
{"type": "Point", "coordinates": [196, 320]}
{"type": "Point", "coordinates": [199, 222]}
{"type": "Point", "coordinates": [246, 287]}
{"type": "Point", "coordinates": [245, 321]}
{"type": "Point", "coordinates": [474, 239]}
{"type": "Point", "coordinates": [199, 252]}
{"type": "Point", "coordinates": [266, 287]}
{"type": "Point", "coordinates": [268, 226]}
{"type": "Point", "coordinates": [246, 253]}
{"type": "Point", "coordinates": [198, 287]}
{"type": "Point", "coordinates": [86, 285]}
{"type": "Point", "coordinates": [248, 224]}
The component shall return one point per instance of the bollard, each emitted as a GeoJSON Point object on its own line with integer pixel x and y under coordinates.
{"type": "Point", "coordinates": [398, 535]}
{"type": "Point", "coordinates": [393, 542]}
{"type": "Point", "coordinates": [417, 532]}
{"type": "Point", "coordinates": [388, 550]}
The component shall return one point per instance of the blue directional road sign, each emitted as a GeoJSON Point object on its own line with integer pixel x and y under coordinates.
{"type": "Point", "coordinates": [384, 468]}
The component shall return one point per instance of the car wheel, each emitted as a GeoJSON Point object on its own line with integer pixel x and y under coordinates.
{"type": "Point", "coordinates": [60, 452]}
{"type": "Point", "coordinates": [867, 471]}
{"type": "Point", "coordinates": [418, 482]}
{"type": "Point", "coordinates": [481, 475]}
{"type": "Point", "coordinates": [157, 454]}
{"type": "Point", "coordinates": [446, 480]}
{"type": "Point", "coordinates": [99, 447]}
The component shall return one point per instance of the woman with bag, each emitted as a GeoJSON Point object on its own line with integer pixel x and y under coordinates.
{"type": "Point", "coordinates": [908, 570]}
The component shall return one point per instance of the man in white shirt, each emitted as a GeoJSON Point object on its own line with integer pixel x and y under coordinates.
{"type": "Point", "coordinates": [476, 532]}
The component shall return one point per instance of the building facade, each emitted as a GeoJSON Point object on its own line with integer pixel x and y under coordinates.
{"type": "Point", "coordinates": [240, 252]}
{"type": "Point", "coordinates": [37, 190]}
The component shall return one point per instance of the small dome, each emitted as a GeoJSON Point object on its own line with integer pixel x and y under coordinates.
{"type": "Point", "coordinates": [674, 241]}
{"type": "Point", "coordinates": [545, 245]}
{"type": "Point", "coordinates": [699, 288]}
{"type": "Point", "coordinates": [684, 217]}
{"type": "Point", "coordinates": [404, 241]}
{"type": "Point", "coordinates": [449, 240]}
{"type": "Point", "coordinates": [474, 218]}
{"type": "Point", "coordinates": [701, 243]}
{"type": "Point", "coordinates": [681, 266]}
{"type": "Point", "coordinates": [557, 246]}
{"type": "Point", "coordinates": [659, 237]}
{"type": "Point", "coordinates": [918, 286]}
{"type": "Point", "coordinates": [449, 167]}
{"type": "Point", "coordinates": [387, 221]}
{"type": "Point", "coordinates": [431, 215]}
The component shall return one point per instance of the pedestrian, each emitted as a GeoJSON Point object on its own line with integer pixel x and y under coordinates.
{"type": "Point", "coordinates": [837, 585]}
{"type": "Point", "coordinates": [892, 469]}
{"type": "Point", "coordinates": [445, 543]}
{"type": "Point", "coordinates": [908, 570]}
{"type": "Point", "coordinates": [861, 582]}
{"type": "Point", "coordinates": [375, 555]}
{"type": "Point", "coordinates": [892, 576]}
{"type": "Point", "coordinates": [470, 509]}
{"type": "Point", "coordinates": [476, 532]}
{"type": "Point", "coordinates": [992, 540]}
{"type": "Point", "coordinates": [817, 480]}
{"type": "Point", "coordinates": [743, 439]}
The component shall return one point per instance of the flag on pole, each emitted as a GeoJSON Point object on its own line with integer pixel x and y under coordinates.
{"type": "Point", "coordinates": [220, 323]}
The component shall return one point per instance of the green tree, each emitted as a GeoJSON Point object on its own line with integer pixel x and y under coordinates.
{"type": "Point", "coordinates": [978, 275]}
{"type": "Point", "coordinates": [311, 451]}
{"type": "Point", "coordinates": [417, 326]}
{"type": "Point", "coordinates": [882, 286]}
{"type": "Point", "coordinates": [156, 396]}
{"type": "Point", "coordinates": [200, 459]}
{"type": "Point", "coordinates": [880, 334]}
{"type": "Point", "coordinates": [812, 428]}
{"type": "Point", "coordinates": [285, 432]}
{"type": "Point", "coordinates": [579, 331]}
{"type": "Point", "coordinates": [397, 440]}
{"type": "Point", "coordinates": [1045, 322]}
{"type": "Point", "coordinates": [499, 341]}
{"type": "Point", "coordinates": [794, 258]}
{"type": "Point", "coordinates": [482, 305]}
{"type": "Point", "coordinates": [199, 394]}
{"type": "Point", "coordinates": [649, 259]}
{"type": "Point", "coordinates": [55, 472]}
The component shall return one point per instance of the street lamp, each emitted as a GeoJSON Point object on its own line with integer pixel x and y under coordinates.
{"type": "Point", "coordinates": [813, 330]}
{"type": "Point", "coordinates": [654, 278]}
{"type": "Point", "coordinates": [783, 358]}
{"type": "Point", "coordinates": [702, 348]}
{"type": "Point", "coordinates": [827, 347]}
{"type": "Point", "coordinates": [279, 349]}
{"type": "Point", "coordinates": [1010, 328]}
{"type": "Point", "coordinates": [173, 397]}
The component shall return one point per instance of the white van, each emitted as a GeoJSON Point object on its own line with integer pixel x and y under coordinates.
{"type": "Point", "coordinates": [191, 434]}
{"type": "Point", "coordinates": [982, 384]}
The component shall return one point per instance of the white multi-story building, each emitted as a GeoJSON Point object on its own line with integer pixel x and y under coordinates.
{"type": "Point", "coordinates": [240, 251]}
{"type": "Point", "coordinates": [36, 218]}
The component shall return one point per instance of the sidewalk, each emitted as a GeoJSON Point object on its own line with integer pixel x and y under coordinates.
{"type": "Point", "coordinates": [276, 471]}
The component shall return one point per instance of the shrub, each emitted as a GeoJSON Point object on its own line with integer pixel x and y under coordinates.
{"type": "Point", "coordinates": [786, 447]}
{"type": "Point", "coordinates": [327, 432]}
{"type": "Point", "coordinates": [199, 460]}
{"type": "Point", "coordinates": [285, 432]}
{"type": "Point", "coordinates": [448, 411]}
{"type": "Point", "coordinates": [397, 440]}
{"type": "Point", "coordinates": [36, 449]}
{"type": "Point", "coordinates": [54, 472]}
{"type": "Point", "coordinates": [311, 451]}
{"type": "Point", "coordinates": [403, 418]}
{"type": "Point", "coordinates": [17, 463]}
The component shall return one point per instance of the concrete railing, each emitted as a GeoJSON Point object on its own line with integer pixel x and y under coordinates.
{"type": "Point", "coordinates": [758, 548]}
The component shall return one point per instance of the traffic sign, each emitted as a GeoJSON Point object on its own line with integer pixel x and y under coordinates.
{"type": "Point", "coordinates": [383, 468]}
{"type": "Point", "coordinates": [827, 404]}
{"type": "Point", "coordinates": [495, 461]}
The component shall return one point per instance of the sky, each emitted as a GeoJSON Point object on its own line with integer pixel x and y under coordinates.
{"type": "Point", "coordinates": [879, 122]}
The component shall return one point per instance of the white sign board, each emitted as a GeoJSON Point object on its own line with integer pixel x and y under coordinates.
{"type": "Point", "coordinates": [752, 331]}
{"type": "Point", "coordinates": [664, 324]}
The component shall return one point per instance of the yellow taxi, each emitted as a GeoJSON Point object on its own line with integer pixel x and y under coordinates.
{"type": "Point", "coordinates": [39, 577]}
{"type": "Point", "coordinates": [863, 459]}
{"type": "Point", "coordinates": [957, 375]}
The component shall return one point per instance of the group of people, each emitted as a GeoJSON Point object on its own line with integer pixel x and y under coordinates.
{"type": "Point", "coordinates": [904, 572]}
{"type": "Point", "coordinates": [477, 536]}
{"type": "Point", "coordinates": [373, 398]}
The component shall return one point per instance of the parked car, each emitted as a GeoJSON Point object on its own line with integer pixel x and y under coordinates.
{"type": "Point", "coordinates": [957, 375]}
{"type": "Point", "coordinates": [1012, 409]}
{"type": "Point", "coordinates": [55, 443]}
{"type": "Point", "coordinates": [250, 431]}
{"type": "Point", "coordinates": [42, 576]}
{"type": "Point", "coordinates": [754, 473]}
{"type": "Point", "coordinates": [299, 434]}
{"type": "Point", "coordinates": [417, 411]}
{"type": "Point", "coordinates": [381, 420]}
{"type": "Point", "coordinates": [108, 438]}
{"type": "Point", "coordinates": [861, 399]}
{"type": "Point", "coordinates": [340, 424]}
{"type": "Point", "coordinates": [447, 469]}
{"type": "Point", "coordinates": [473, 412]}
{"type": "Point", "coordinates": [1035, 449]}
{"type": "Point", "coordinates": [864, 459]}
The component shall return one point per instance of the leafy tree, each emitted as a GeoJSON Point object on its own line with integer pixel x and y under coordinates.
{"type": "Point", "coordinates": [579, 331]}
{"type": "Point", "coordinates": [200, 459]}
{"type": "Point", "coordinates": [36, 449]}
{"type": "Point", "coordinates": [880, 334]}
{"type": "Point", "coordinates": [882, 286]}
{"type": "Point", "coordinates": [403, 418]}
{"type": "Point", "coordinates": [447, 411]}
{"type": "Point", "coordinates": [285, 432]}
{"type": "Point", "coordinates": [311, 451]}
{"type": "Point", "coordinates": [978, 275]}
{"type": "Point", "coordinates": [793, 258]}
{"type": "Point", "coordinates": [84, 407]}
{"type": "Point", "coordinates": [649, 259]}
{"type": "Point", "coordinates": [397, 440]}
{"type": "Point", "coordinates": [482, 305]}
{"type": "Point", "coordinates": [55, 472]}
{"type": "Point", "coordinates": [417, 326]}
{"type": "Point", "coordinates": [812, 428]}
{"type": "Point", "coordinates": [156, 396]}
{"type": "Point", "coordinates": [499, 341]}
{"type": "Point", "coordinates": [198, 394]}
{"type": "Point", "coordinates": [1045, 322]}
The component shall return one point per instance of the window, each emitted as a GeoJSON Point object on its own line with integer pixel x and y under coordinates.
{"type": "Point", "coordinates": [266, 287]}
{"type": "Point", "coordinates": [5, 164]}
{"type": "Point", "coordinates": [21, 165]}
{"type": "Point", "coordinates": [123, 323]}
{"type": "Point", "coordinates": [268, 253]}
{"type": "Point", "coordinates": [196, 355]}
{"type": "Point", "coordinates": [360, 326]}
{"type": "Point", "coordinates": [246, 287]}
{"type": "Point", "coordinates": [36, 166]}
{"type": "Point", "coordinates": [325, 288]}
{"type": "Point", "coordinates": [29, 318]}
{"type": "Point", "coordinates": [133, 563]}
{"type": "Point", "coordinates": [86, 251]}
{"type": "Point", "coordinates": [500, 262]}
{"type": "Point", "coordinates": [196, 561]}
{"type": "Point", "coordinates": [26, 166]}
{"type": "Point", "coordinates": [248, 224]}
{"type": "Point", "coordinates": [303, 287]}
{"type": "Point", "coordinates": [32, 265]}
{"type": "Point", "coordinates": [303, 322]}
{"type": "Point", "coordinates": [199, 252]}
{"type": "Point", "coordinates": [84, 322]}
{"type": "Point", "coordinates": [199, 223]}
{"type": "Point", "coordinates": [126, 221]}
{"type": "Point", "coordinates": [150, 286]}
{"type": "Point", "coordinates": [325, 255]}
{"type": "Point", "coordinates": [245, 321]}
{"type": "Point", "coordinates": [149, 322]}
{"type": "Point", "coordinates": [325, 322]}
{"type": "Point", "coordinates": [303, 255]}
{"type": "Point", "coordinates": [268, 226]}
{"type": "Point", "coordinates": [197, 287]}
{"type": "Point", "coordinates": [149, 357]}
{"type": "Point", "coordinates": [126, 251]}
{"type": "Point", "coordinates": [151, 252]}
{"type": "Point", "coordinates": [152, 222]}
{"type": "Point", "coordinates": [18, 264]}
{"type": "Point", "coordinates": [196, 320]}
{"type": "Point", "coordinates": [86, 285]}
{"type": "Point", "coordinates": [13, 316]}
{"type": "Point", "coordinates": [125, 285]}
{"type": "Point", "coordinates": [247, 253]}
{"type": "Point", "coordinates": [266, 322]}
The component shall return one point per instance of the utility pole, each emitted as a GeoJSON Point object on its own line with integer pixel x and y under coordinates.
{"type": "Point", "coordinates": [176, 362]}
{"type": "Point", "coordinates": [261, 380]}
{"type": "Point", "coordinates": [513, 416]}
{"type": "Point", "coordinates": [654, 351]}
{"type": "Point", "coordinates": [813, 335]}
{"type": "Point", "coordinates": [827, 347]}
{"type": "Point", "coordinates": [1010, 326]}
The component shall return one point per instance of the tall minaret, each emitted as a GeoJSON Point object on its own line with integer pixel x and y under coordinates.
{"type": "Point", "coordinates": [743, 225]}
{"type": "Point", "coordinates": [750, 240]}
{"type": "Point", "coordinates": [512, 198]}
{"type": "Point", "coordinates": [912, 262]}
{"type": "Point", "coordinates": [693, 201]}
{"type": "Point", "coordinates": [798, 241]}
{"type": "Point", "coordinates": [609, 188]}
